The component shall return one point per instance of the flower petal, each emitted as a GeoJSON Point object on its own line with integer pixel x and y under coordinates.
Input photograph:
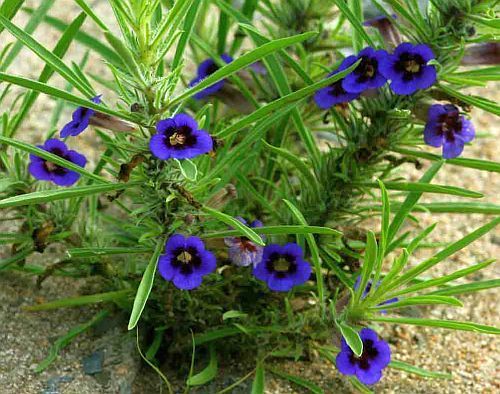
{"type": "Point", "coordinates": [67, 179]}
{"type": "Point", "coordinates": [158, 147]}
{"type": "Point", "coordinates": [468, 133]}
{"type": "Point", "coordinates": [187, 282]}
{"type": "Point", "coordinates": [279, 284]}
{"type": "Point", "coordinates": [185, 120]}
{"type": "Point", "coordinates": [77, 158]}
{"type": "Point", "coordinates": [38, 170]}
{"type": "Point", "coordinates": [165, 267]}
{"type": "Point", "coordinates": [368, 376]}
{"type": "Point", "coordinates": [427, 78]}
{"type": "Point", "coordinates": [452, 149]}
{"type": "Point", "coordinates": [344, 364]}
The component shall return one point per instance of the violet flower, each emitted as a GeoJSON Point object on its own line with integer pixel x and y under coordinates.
{"type": "Point", "coordinates": [366, 75]}
{"type": "Point", "coordinates": [206, 68]}
{"type": "Point", "coordinates": [242, 251]}
{"type": "Point", "coordinates": [81, 119]}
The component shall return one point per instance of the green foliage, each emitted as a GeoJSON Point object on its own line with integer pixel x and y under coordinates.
{"type": "Point", "coordinates": [312, 176]}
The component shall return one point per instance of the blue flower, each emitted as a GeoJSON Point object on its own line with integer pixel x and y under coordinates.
{"type": "Point", "coordinates": [282, 267]}
{"type": "Point", "coordinates": [367, 290]}
{"type": "Point", "coordinates": [81, 118]}
{"type": "Point", "coordinates": [407, 68]}
{"type": "Point", "coordinates": [334, 94]}
{"type": "Point", "coordinates": [179, 138]}
{"type": "Point", "coordinates": [368, 367]}
{"type": "Point", "coordinates": [206, 68]}
{"type": "Point", "coordinates": [366, 75]}
{"type": "Point", "coordinates": [186, 261]}
{"type": "Point", "coordinates": [242, 251]}
{"type": "Point", "coordinates": [447, 128]}
{"type": "Point", "coordinates": [44, 170]}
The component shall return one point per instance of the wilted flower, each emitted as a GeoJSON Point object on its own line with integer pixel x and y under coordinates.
{"type": "Point", "coordinates": [206, 68]}
{"type": "Point", "coordinates": [485, 53]}
{"type": "Point", "coordinates": [368, 367]}
{"type": "Point", "coordinates": [447, 128]}
{"type": "Point", "coordinates": [366, 75]}
{"type": "Point", "coordinates": [367, 289]}
{"type": "Point", "coordinates": [185, 261]}
{"type": "Point", "coordinates": [335, 94]}
{"type": "Point", "coordinates": [81, 119]}
{"type": "Point", "coordinates": [44, 170]}
{"type": "Point", "coordinates": [386, 28]}
{"type": "Point", "coordinates": [407, 68]}
{"type": "Point", "coordinates": [242, 251]}
{"type": "Point", "coordinates": [179, 138]}
{"type": "Point", "coordinates": [283, 267]}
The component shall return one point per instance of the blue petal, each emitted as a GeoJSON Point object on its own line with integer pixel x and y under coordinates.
{"type": "Point", "coordinates": [187, 282]}
{"type": "Point", "coordinates": [344, 364]}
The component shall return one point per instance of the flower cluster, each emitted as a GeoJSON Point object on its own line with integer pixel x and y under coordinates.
{"type": "Point", "coordinates": [406, 68]}
{"type": "Point", "coordinates": [367, 367]}
{"type": "Point", "coordinates": [186, 261]}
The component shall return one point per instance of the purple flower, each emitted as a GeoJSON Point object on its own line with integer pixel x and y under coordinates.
{"type": "Point", "coordinates": [366, 75]}
{"type": "Point", "coordinates": [407, 68]}
{"type": "Point", "coordinates": [206, 68]}
{"type": "Point", "coordinates": [81, 118]}
{"type": "Point", "coordinates": [185, 261]}
{"type": "Point", "coordinates": [367, 290]}
{"type": "Point", "coordinates": [334, 94]}
{"type": "Point", "coordinates": [242, 251]}
{"type": "Point", "coordinates": [446, 127]}
{"type": "Point", "coordinates": [179, 138]}
{"type": "Point", "coordinates": [282, 267]}
{"type": "Point", "coordinates": [368, 367]}
{"type": "Point", "coordinates": [44, 170]}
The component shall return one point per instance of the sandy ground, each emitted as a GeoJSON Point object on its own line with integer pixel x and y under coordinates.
{"type": "Point", "coordinates": [26, 337]}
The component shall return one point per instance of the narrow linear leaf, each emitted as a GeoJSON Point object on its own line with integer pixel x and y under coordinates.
{"type": "Point", "coordinates": [79, 301]}
{"type": "Point", "coordinates": [145, 287]}
{"type": "Point", "coordinates": [259, 382]}
{"type": "Point", "coordinates": [208, 374]}
{"type": "Point", "coordinates": [75, 253]}
{"type": "Point", "coordinates": [469, 287]}
{"type": "Point", "coordinates": [421, 300]}
{"type": "Point", "coordinates": [426, 188]}
{"type": "Point", "coordinates": [402, 366]}
{"type": "Point", "coordinates": [277, 230]}
{"type": "Point", "coordinates": [230, 221]}
{"type": "Point", "coordinates": [298, 381]}
{"type": "Point", "coordinates": [66, 339]}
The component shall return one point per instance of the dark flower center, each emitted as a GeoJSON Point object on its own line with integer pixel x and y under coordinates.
{"type": "Point", "coordinates": [281, 264]}
{"type": "Point", "coordinates": [53, 167]}
{"type": "Point", "coordinates": [186, 259]}
{"type": "Point", "coordinates": [366, 69]}
{"type": "Point", "coordinates": [369, 354]}
{"type": "Point", "coordinates": [212, 68]}
{"type": "Point", "coordinates": [410, 64]}
{"type": "Point", "coordinates": [247, 245]}
{"type": "Point", "coordinates": [180, 137]}
{"type": "Point", "coordinates": [450, 122]}
{"type": "Point", "coordinates": [336, 89]}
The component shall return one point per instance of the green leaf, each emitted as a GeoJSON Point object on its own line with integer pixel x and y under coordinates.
{"type": "Point", "coordinates": [459, 207]}
{"type": "Point", "coordinates": [359, 386]}
{"type": "Point", "coordinates": [233, 315]}
{"type": "Point", "coordinates": [76, 253]}
{"type": "Point", "coordinates": [48, 57]}
{"type": "Point", "coordinates": [188, 169]}
{"type": "Point", "coordinates": [369, 259]}
{"type": "Point", "coordinates": [230, 221]}
{"type": "Point", "coordinates": [420, 300]}
{"type": "Point", "coordinates": [60, 50]}
{"type": "Point", "coordinates": [145, 287]}
{"type": "Point", "coordinates": [51, 157]}
{"type": "Point", "coordinates": [9, 9]}
{"type": "Point", "coordinates": [483, 165]}
{"type": "Point", "coordinates": [62, 194]}
{"type": "Point", "coordinates": [298, 381]}
{"type": "Point", "coordinates": [469, 287]}
{"type": "Point", "coordinates": [242, 62]}
{"type": "Point", "coordinates": [315, 256]}
{"type": "Point", "coordinates": [66, 339]}
{"type": "Point", "coordinates": [208, 374]}
{"type": "Point", "coordinates": [410, 202]}
{"type": "Point", "coordinates": [88, 10]}
{"type": "Point", "coordinates": [352, 338]}
{"type": "Point", "coordinates": [297, 163]}
{"type": "Point", "coordinates": [282, 102]}
{"type": "Point", "coordinates": [444, 279]}
{"type": "Point", "coordinates": [425, 188]}
{"type": "Point", "coordinates": [356, 23]}
{"type": "Point", "coordinates": [62, 94]}
{"type": "Point", "coordinates": [279, 230]}
{"type": "Point", "coordinates": [402, 366]}
{"type": "Point", "coordinates": [475, 101]}
{"type": "Point", "coordinates": [187, 30]}
{"type": "Point", "coordinates": [79, 301]}
{"type": "Point", "coordinates": [259, 382]}
{"type": "Point", "coordinates": [449, 324]}
{"type": "Point", "coordinates": [443, 254]}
